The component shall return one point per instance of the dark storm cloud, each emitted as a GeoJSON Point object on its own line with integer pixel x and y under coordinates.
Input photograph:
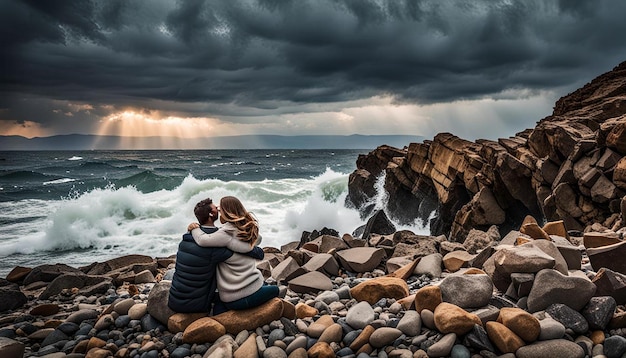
{"type": "Point", "coordinates": [264, 53]}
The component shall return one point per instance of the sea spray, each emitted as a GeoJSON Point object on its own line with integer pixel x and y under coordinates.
{"type": "Point", "coordinates": [116, 218]}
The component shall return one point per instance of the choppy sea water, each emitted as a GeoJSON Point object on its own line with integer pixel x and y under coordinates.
{"type": "Point", "coordinates": [86, 206]}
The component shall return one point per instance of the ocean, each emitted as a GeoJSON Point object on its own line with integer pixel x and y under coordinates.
{"type": "Point", "coordinates": [79, 207]}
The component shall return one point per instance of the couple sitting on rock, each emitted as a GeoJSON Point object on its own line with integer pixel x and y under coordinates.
{"type": "Point", "coordinates": [224, 258]}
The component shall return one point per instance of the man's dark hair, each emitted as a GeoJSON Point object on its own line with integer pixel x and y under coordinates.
{"type": "Point", "coordinates": [202, 210]}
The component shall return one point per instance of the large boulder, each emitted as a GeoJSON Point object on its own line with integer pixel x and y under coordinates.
{"type": "Point", "coordinates": [467, 291]}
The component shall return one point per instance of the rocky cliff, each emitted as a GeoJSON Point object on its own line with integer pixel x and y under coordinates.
{"type": "Point", "coordinates": [570, 167]}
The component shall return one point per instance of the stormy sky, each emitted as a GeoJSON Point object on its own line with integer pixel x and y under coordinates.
{"type": "Point", "coordinates": [479, 69]}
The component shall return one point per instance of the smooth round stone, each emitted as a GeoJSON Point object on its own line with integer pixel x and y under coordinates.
{"type": "Point", "coordinates": [395, 308]}
{"type": "Point", "coordinates": [384, 336]}
{"type": "Point", "coordinates": [122, 321]}
{"type": "Point", "coordinates": [614, 346]}
{"type": "Point", "coordinates": [460, 351]}
{"type": "Point", "coordinates": [552, 348]}
{"type": "Point", "coordinates": [298, 342]}
{"type": "Point", "coordinates": [428, 318]}
{"type": "Point", "coordinates": [360, 315]}
{"type": "Point", "coordinates": [410, 324]}
{"type": "Point", "coordinates": [350, 337]}
{"type": "Point", "coordinates": [551, 329]}
{"type": "Point", "coordinates": [443, 347]}
{"type": "Point", "coordinates": [242, 337]}
{"type": "Point", "coordinates": [180, 352]}
{"type": "Point", "coordinates": [328, 297]}
{"type": "Point", "coordinates": [275, 335]}
{"type": "Point", "coordinates": [274, 352]}
{"type": "Point", "coordinates": [343, 352]}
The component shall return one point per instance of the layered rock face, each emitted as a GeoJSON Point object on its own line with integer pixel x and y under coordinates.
{"type": "Point", "coordinates": [570, 167]}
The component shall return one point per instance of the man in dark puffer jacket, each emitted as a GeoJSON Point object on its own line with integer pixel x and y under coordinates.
{"type": "Point", "coordinates": [194, 283]}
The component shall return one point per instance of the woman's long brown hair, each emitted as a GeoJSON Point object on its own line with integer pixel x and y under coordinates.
{"type": "Point", "coordinates": [232, 211]}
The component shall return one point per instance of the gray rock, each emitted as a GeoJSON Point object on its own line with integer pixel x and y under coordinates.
{"type": "Point", "coordinates": [555, 348]}
{"type": "Point", "coordinates": [157, 302]}
{"type": "Point", "coordinates": [274, 352]}
{"type": "Point", "coordinates": [460, 351]}
{"type": "Point", "coordinates": [614, 346]}
{"type": "Point", "coordinates": [311, 282]}
{"type": "Point", "coordinates": [467, 291]}
{"type": "Point", "coordinates": [410, 324]}
{"type": "Point", "coordinates": [361, 259]}
{"type": "Point", "coordinates": [11, 299]}
{"type": "Point", "coordinates": [477, 338]}
{"type": "Point", "coordinates": [599, 311]}
{"type": "Point", "coordinates": [360, 315]}
{"type": "Point", "coordinates": [384, 336]}
{"type": "Point", "coordinates": [550, 287]}
{"type": "Point", "coordinates": [71, 280]}
{"type": "Point", "coordinates": [568, 317]}
{"type": "Point", "coordinates": [443, 347]}
{"type": "Point", "coordinates": [551, 329]}
{"type": "Point", "coordinates": [328, 297]}
{"type": "Point", "coordinates": [430, 265]}
{"type": "Point", "coordinates": [82, 315]}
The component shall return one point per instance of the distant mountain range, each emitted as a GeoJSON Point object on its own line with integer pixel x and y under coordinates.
{"type": "Point", "coordinates": [95, 142]}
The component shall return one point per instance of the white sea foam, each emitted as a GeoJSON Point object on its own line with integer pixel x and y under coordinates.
{"type": "Point", "coordinates": [109, 222]}
{"type": "Point", "coordinates": [59, 181]}
{"type": "Point", "coordinates": [75, 158]}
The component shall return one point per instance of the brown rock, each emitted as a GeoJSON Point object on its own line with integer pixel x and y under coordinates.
{"type": "Point", "coordinates": [611, 283]}
{"type": "Point", "coordinates": [405, 271]}
{"type": "Point", "coordinates": [248, 349]}
{"type": "Point", "coordinates": [46, 309]}
{"type": "Point", "coordinates": [522, 323]}
{"type": "Point", "coordinates": [503, 338]}
{"type": "Point", "coordinates": [178, 322]}
{"type": "Point", "coordinates": [95, 342]}
{"type": "Point", "coordinates": [597, 337]}
{"type": "Point", "coordinates": [450, 318]}
{"type": "Point", "coordinates": [454, 260]}
{"type": "Point", "coordinates": [98, 353]}
{"type": "Point", "coordinates": [408, 302]}
{"type": "Point", "coordinates": [204, 330]}
{"type": "Point", "coordinates": [334, 333]}
{"type": "Point", "coordinates": [618, 320]}
{"type": "Point", "coordinates": [534, 231]}
{"type": "Point", "coordinates": [362, 338]}
{"type": "Point", "coordinates": [303, 310]}
{"type": "Point", "coordinates": [381, 287]}
{"type": "Point", "coordinates": [11, 349]}
{"type": "Point", "coordinates": [321, 350]}
{"type": "Point", "coordinates": [289, 310]}
{"type": "Point", "coordinates": [428, 297]}
{"type": "Point", "coordinates": [237, 321]}
{"type": "Point", "coordinates": [18, 273]}
{"type": "Point", "coordinates": [610, 256]}
{"type": "Point", "coordinates": [593, 240]}
{"type": "Point", "coordinates": [556, 228]}
{"type": "Point", "coordinates": [318, 327]}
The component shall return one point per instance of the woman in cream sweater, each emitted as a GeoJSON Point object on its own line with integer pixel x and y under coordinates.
{"type": "Point", "coordinates": [240, 284]}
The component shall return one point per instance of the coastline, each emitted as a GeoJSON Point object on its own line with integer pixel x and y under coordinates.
{"type": "Point", "coordinates": [387, 292]}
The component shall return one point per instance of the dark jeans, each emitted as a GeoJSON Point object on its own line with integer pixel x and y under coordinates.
{"type": "Point", "coordinates": [264, 294]}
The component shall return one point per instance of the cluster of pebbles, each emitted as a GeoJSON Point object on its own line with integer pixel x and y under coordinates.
{"type": "Point", "coordinates": [522, 301]}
